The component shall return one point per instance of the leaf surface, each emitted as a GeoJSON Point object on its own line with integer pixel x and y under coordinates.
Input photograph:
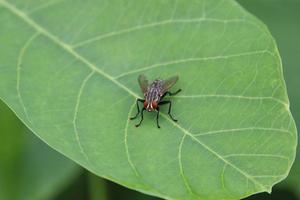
{"type": "Point", "coordinates": [70, 70]}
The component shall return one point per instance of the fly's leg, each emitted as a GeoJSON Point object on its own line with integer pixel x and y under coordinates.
{"type": "Point", "coordinates": [138, 108]}
{"type": "Point", "coordinates": [157, 116]}
{"type": "Point", "coordinates": [170, 107]}
{"type": "Point", "coordinates": [170, 93]}
{"type": "Point", "coordinates": [142, 117]}
{"type": "Point", "coordinates": [174, 93]}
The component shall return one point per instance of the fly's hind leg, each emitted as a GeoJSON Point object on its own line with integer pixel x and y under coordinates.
{"type": "Point", "coordinates": [138, 108]}
{"type": "Point", "coordinates": [170, 107]}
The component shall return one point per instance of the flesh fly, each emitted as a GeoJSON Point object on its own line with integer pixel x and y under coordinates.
{"type": "Point", "coordinates": [153, 96]}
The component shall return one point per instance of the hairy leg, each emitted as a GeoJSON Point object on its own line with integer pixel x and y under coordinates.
{"type": "Point", "coordinates": [170, 107]}
{"type": "Point", "coordinates": [170, 93]}
{"type": "Point", "coordinates": [157, 116]}
{"type": "Point", "coordinates": [142, 117]}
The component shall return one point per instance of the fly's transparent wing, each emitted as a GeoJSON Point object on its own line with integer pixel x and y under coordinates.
{"type": "Point", "coordinates": [168, 83]}
{"type": "Point", "coordinates": [143, 82]}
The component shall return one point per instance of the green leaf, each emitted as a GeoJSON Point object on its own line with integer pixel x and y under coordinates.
{"type": "Point", "coordinates": [69, 71]}
{"type": "Point", "coordinates": [28, 168]}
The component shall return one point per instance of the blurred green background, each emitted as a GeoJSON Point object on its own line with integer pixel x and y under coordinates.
{"type": "Point", "coordinates": [29, 169]}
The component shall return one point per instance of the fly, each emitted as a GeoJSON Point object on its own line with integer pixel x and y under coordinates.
{"type": "Point", "coordinates": [154, 94]}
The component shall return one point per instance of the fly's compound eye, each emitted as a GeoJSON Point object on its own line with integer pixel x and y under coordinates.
{"type": "Point", "coordinates": [154, 104]}
{"type": "Point", "coordinates": [145, 104]}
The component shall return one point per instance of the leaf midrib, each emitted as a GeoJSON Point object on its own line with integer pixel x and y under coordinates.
{"type": "Point", "coordinates": [69, 49]}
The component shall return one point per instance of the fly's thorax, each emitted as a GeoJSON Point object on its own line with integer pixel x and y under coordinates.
{"type": "Point", "coordinates": [153, 95]}
{"type": "Point", "coordinates": [158, 84]}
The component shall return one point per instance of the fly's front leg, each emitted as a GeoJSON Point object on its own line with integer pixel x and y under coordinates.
{"type": "Point", "coordinates": [142, 117]}
{"type": "Point", "coordinates": [170, 93]}
{"type": "Point", "coordinates": [170, 107]}
{"type": "Point", "coordinates": [157, 116]}
{"type": "Point", "coordinates": [138, 108]}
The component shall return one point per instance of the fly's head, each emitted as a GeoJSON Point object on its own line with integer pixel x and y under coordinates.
{"type": "Point", "coordinates": [150, 106]}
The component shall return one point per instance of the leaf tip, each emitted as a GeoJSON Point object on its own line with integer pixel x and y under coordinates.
{"type": "Point", "coordinates": [269, 189]}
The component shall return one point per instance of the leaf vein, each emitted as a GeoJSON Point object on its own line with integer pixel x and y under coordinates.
{"type": "Point", "coordinates": [184, 179]}
{"type": "Point", "coordinates": [243, 129]}
{"type": "Point", "coordinates": [45, 5]}
{"type": "Point", "coordinates": [256, 155]}
{"type": "Point", "coordinates": [76, 113]}
{"type": "Point", "coordinates": [194, 59]}
{"type": "Point", "coordinates": [235, 96]}
{"type": "Point", "coordinates": [19, 68]}
{"type": "Point", "coordinates": [154, 24]}
{"type": "Point", "coordinates": [126, 142]}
